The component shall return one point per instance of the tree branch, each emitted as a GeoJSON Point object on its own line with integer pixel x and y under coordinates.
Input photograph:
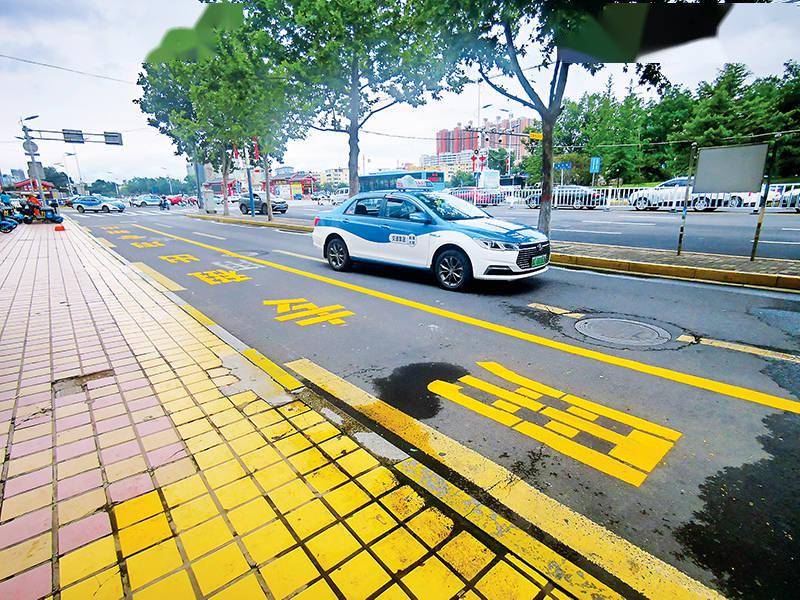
{"type": "Point", "coordinates": [336, 129]}
{"type": "Point", "coordinates": [377, 110]}
{"type": "Point", "coordinates": [501, 90]}
{"type": "Point", "coordinates": [536, 101]}
{"type": "Point", "coordinates": [562, 83]}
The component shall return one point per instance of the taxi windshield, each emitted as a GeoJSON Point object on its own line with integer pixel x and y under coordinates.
{"type": "Point", "coordinates": [451, 208]}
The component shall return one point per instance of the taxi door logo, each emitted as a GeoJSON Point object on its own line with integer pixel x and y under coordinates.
{"type": "Point", "coordinates": [402, 238]}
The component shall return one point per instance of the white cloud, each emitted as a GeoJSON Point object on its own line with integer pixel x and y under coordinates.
{"type": "Point", "coordinates": [112, 38]}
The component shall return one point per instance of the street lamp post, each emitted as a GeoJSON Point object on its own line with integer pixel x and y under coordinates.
{"type": "Point", "coordinates": [77, 164]}
{"type": "Point", "coordinates": [116, 185]}
{"type": "Point", "coordinates": [31, 149]}
{"type": "Point", "coordinates": [169, 180]}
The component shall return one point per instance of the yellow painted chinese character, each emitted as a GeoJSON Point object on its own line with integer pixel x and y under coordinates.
{"type": "Point", "coordinates": [307, 312]}
{"type": "Point", "coordinates": [219, 276]}
{"type": "Point", "coordinates": [131, 237]}
{"type": "Point", "coordinates": [179, 258]}
{"type": "Point", "coordinates": [563, 420]}
{"type": "Point", "coordinates": [147, 244]}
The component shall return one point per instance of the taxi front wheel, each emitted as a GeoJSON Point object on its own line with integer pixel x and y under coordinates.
{"type": "Point", "coordinates": [338, 256]}
{"type": "Point", "coordinates": [452, 269]}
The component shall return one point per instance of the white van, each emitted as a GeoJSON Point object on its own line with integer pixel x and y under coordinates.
{"type": "Point", "coordinates": [340, 195]}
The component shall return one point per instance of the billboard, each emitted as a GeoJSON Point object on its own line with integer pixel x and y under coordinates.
{"type": "Point", "coordinates": [726, 169]}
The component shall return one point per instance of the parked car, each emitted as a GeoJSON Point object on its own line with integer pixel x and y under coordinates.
{"type": "Point", "coordinates": [571, 196]}
{"type": "Point", "coordinates": [177, 200]}
{"type": "Point", "coordinates": [340, 195]}
{"type": "Point", "coordinates": [97, 204]}
{"type": "Point", "coordinates": [672, 194]}
{"type": "Point", "coordinates": [146, 200]}
{"type": "Point", "coordinates": [791, 198]}
{"type": "Point", "coordinates": [424, 229]}
{"type": "Point", "coordinates": [478, 196]}
{"type": "Point", "coordinates": [259, 200]}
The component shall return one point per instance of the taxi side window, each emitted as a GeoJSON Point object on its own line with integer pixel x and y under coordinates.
{"type": "Point", "coordinates": [366, 207]}
{"type": "Point", "coordinates": [397, 208]}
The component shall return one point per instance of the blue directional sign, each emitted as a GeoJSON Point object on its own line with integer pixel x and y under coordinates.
{"type": "Point", "coordinates": [594, 164]}
{"type": "Point", "coordinates": [563, 166]}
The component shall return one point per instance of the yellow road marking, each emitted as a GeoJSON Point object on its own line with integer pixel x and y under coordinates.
{"type": "Point", "coordinates": [740, 348]}
{"type": "Point", "coordinates": [630, 564]}
{"type": "Point", "coordinates": [556, 310]}
{"type": "Point", "coordinates": [105, 242]}
{"type": "Point", "coordinates": [726, 389]}
{"type": "Point", "coordinates": [198, 316]}
{"type": "Point", "coordinates": [270, 368]}
{"type": "Point", "coordinates": [165, 281]}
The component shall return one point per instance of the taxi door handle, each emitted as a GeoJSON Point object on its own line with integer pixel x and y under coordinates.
{"type": "Point", "coordinates": [385, 227]}
{"type": "Point", "coordinates": [345, 220]}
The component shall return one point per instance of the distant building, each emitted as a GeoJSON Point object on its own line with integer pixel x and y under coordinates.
{"type": "Point", "coordinates": [336, 177]}
{"type": "Point", "coordinates": [281, 172]}
{"type": "Point", "coordinates": [18, 174]}
{"type": "Point", "coordinates": [497, 134]}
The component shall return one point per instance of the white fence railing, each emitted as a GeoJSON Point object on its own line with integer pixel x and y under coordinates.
{"type": "Point", "coordinates": [781, 197]}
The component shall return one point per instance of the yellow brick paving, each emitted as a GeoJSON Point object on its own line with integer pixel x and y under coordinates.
{"type": "Point", "coordinates": [251, 499]}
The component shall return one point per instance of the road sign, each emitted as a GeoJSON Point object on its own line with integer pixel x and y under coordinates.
{"type": "Point", "coordinates": [73, 136]}
{"type": "Point", "coordinates": [535, 135]}
{"type": "Point", "coordinates": [30, 147]}
{"type": "Point", "coordinates": [594, 164]}
{"type": "Point", "coordinates": [115, 139]}
{"type": "Point", "coordinates": [563, 166]}
{"type": "Point", "coordinates": [35, 170]}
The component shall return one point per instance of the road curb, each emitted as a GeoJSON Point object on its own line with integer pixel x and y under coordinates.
{"type": "Point", "coordinates": [254, 223]}
{"type": "Point", "coordinates": [765, 280]}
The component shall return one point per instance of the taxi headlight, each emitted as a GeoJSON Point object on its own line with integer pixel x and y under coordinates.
{"type": "Point", "coordinates": [497, 245]}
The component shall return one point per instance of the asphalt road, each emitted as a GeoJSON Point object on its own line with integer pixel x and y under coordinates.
{"type": "Point", "coordinates": [718, 498]}
{"type": "Point", "coordinates": [722, 232]}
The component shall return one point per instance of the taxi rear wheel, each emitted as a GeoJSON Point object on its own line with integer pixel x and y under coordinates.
{"type": "Point", "coordinates": [80, 208]}
{"type": "Point", "coordinates": [338, 256]}
{"type": "Point", "coordinates": [452, 269]}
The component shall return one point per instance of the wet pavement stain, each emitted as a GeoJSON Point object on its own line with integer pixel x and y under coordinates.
{"type": "Point", "coordinates": [407, 387]}
{"type": "Point", "coordinates": [785, 374]}
{"type": "Point", "coordinates": [748, 533]}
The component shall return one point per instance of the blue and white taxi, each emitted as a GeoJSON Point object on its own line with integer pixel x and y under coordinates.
{"type": "Point", "coordinates": [425, 229]}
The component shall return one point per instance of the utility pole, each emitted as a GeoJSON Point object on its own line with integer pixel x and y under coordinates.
{"type": "Point", "coordinates": [31, 148]}
{"type": "Point", "coordinates": [249, 181]}
{"type": "Point", "coordinates": [266, 183]}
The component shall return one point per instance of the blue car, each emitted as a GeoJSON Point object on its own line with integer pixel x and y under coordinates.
{"type": "Point", "coordinates": [425, 229]}
{"type": "Point", "coordinates": [97, 204]}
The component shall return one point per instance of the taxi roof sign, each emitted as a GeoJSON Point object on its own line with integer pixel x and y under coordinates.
{"type": "Point", "coordinates": [407, 182]}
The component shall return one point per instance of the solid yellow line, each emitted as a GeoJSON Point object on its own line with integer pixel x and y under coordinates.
{"type": "Point", "coordinates": [270, 368]}
{"type": "Point", "coordinates": [165, 281]}
{"type": "Point", "coordinates": [198, 316]}
{"type": "Point", "coordinates": [734, 391]}
{"type": "Point", "coordinates": [741, 348]}
{"type": "Point", "coordinates": [622, 559]}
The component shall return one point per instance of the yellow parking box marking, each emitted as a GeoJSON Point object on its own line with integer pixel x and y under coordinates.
{"type": "Point", "coordinates": [584, 414]}
{"type": "Point", "coordinates": [633, 456]}
{"type": "Point", "coordinates": [277, 372]}
{"type": "Point", "coordinates": [562, 312]}
{"type": "Point", "coordinates": [727, 389]}
{"type": "Point", "coordinates": [198, 316]}
{"type": "Point", "coordinates": [453, 393]}
{"type": "Point", "coordinates": [147, 244]}
{"type": "Point", "coordinates": [104, 242]}
{"type": "Point", "coordinates": [219, 276]}
{"type": "Point", "coordinates": [179, 258]}
{"type": "Point", "coordinates": [131, 237]}
{"type": "Point", "coordinates": [118, 231]}
{"type": "Point", "coordinates": [755, 350]}
{"type": "Point", "coordinates": [165, 281]}
{"type": "Point", "coordinates": [289, 309]}
{"type": "Point", "coordinates": [638, 569]}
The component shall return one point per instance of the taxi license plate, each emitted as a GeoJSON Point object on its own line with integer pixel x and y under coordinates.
{"type": "Point", "coordinates": [539, 261]}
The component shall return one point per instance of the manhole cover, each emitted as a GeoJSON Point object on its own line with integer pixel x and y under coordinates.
{"type": "Point", "coordinates": [623, 331]}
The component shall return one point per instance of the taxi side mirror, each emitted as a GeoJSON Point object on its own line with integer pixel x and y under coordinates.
{"type": "Point", "coordinates": [419, 217]}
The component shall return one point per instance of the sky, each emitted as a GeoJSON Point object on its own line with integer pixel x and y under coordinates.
{"type": "Point", "coordinates": [112, 37]}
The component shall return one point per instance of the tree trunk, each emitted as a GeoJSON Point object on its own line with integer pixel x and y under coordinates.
{"type": "Point", "coordinates": [225, 210]}
{"type": "Point", "coordinates": [352, 130]}
{"type": "Point", "coordinates": [546, 201]}
{"type": "Point", "coordinates": [266, 183]}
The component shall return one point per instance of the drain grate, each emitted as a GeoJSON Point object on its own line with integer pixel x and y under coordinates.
{"type": "Point", "coordinates": [624, 332]}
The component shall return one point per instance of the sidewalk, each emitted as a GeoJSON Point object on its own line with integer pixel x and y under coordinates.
{"type": "Point", "coordinates": [145, 457]}
{"type": "Point", "coordinates": [720, 268]}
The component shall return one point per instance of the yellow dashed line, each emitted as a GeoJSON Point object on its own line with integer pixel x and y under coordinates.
{"type": "Point", "coordinates": [640, 570]}
{"type": "Point", "coordinates": [270, 368]}
{"type": "Point", "coordinates": [198, 316]}
{"type": "Point", "coordinates": [726, 389]}
{"type": "Point", "coordinates": [740, 348]}
{"type": "Point", "coordinates": [165, 281]}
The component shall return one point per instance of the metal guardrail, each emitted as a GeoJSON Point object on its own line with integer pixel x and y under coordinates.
{"type": "Point", "coordinates": [781, 197]}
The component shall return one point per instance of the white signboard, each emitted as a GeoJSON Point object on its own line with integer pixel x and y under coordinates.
{"type": "Point", "coordinates": [730, 169]}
